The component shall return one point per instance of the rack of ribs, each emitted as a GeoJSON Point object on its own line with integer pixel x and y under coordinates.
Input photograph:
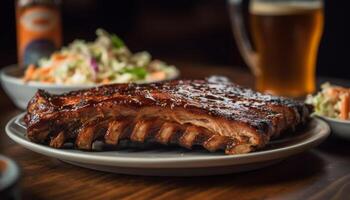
{"type": "Point", "coordinates": [213, 113]}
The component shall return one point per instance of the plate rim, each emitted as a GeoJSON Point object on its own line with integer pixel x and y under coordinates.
{"type": "Point", "coordinates": [171, 162]}
{"type": "Point", "coordinates": [335, 120]}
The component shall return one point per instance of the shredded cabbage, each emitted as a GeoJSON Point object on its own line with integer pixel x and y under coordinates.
{"type": "Point", "coordinates": [327, 101]}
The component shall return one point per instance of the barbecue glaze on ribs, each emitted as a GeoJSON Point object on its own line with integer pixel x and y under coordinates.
{"type": "Point", "coordinates": [213, 113]}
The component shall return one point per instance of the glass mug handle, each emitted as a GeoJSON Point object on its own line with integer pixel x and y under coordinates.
{"type": "Point", "coordinates": [241, 36]}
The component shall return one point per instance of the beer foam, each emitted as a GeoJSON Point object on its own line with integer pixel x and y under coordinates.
{"type": "Point", "coordinates": [283, 8]}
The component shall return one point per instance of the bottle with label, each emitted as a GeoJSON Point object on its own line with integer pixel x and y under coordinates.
{"type": "Point", "coordinates": [38, 29]}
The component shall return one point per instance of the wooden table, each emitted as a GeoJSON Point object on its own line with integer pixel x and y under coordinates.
{"type": "Point", "coordinates": [322, 173]}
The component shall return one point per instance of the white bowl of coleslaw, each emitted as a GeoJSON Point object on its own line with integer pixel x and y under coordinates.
{"type": "Point", "coordinates": [332, 104]}
{"type": "Point", "coordinates": [82, 65]}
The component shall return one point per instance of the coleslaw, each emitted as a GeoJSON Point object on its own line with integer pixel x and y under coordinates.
{"type": "Point", "coordinates": [103, 61]}
{"type": "Point", "coordinates": [332, 101]}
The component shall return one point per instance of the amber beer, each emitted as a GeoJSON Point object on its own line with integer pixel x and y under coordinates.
{"type": "Point", "coordinates": [286, 36]}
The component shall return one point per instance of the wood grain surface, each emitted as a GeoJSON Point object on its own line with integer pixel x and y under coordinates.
{"type": "Point", "coordinates": [322, 173]}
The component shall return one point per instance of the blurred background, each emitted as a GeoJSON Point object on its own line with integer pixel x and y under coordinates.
{"type": "Point", "coordinates": [182, 32]}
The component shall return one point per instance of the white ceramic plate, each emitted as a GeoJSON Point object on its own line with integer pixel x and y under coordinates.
{"type": "Point", "coordinates": [21, 92]}
{"type": "Point", "coordinates": [340, 128]}
{"type": "Point", "coordinates": [167, 161]}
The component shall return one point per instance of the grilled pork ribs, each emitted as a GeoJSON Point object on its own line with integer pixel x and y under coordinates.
{"type": "Point", "coordinates": [213, 113]}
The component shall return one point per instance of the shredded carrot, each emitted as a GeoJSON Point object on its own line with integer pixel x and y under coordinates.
{"type": "Point", "coordinates": [105, 81]}
{"type": "Point", "coordinates": [45, 70]}
{"type": "Point", "coordinates": [344, 106]}
{"type": "Point", "coordinates": [47, 79]}
{"type": "Point", "coordinates": [158, 75]}
{"type": "Point", "coordinates": [335, 92]}
{"type": "Point", "coordinates": [58, 57]}
{"type": "Point", "coordinates": [29, 73]}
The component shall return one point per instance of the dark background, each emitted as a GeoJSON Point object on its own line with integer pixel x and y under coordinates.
{"type": "Point", "coordinates": [181, 31]}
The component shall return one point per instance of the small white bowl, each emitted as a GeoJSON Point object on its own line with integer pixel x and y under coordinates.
{"type": "Point", "coordinates": [340, 128]}
{"type": "Point", "coordinates": [21, 92]}
{"type": "Point", "coordinates": [9, 175]}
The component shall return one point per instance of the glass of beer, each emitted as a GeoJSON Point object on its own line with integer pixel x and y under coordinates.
{"type": "Point", "coordinates": [286, 36]}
